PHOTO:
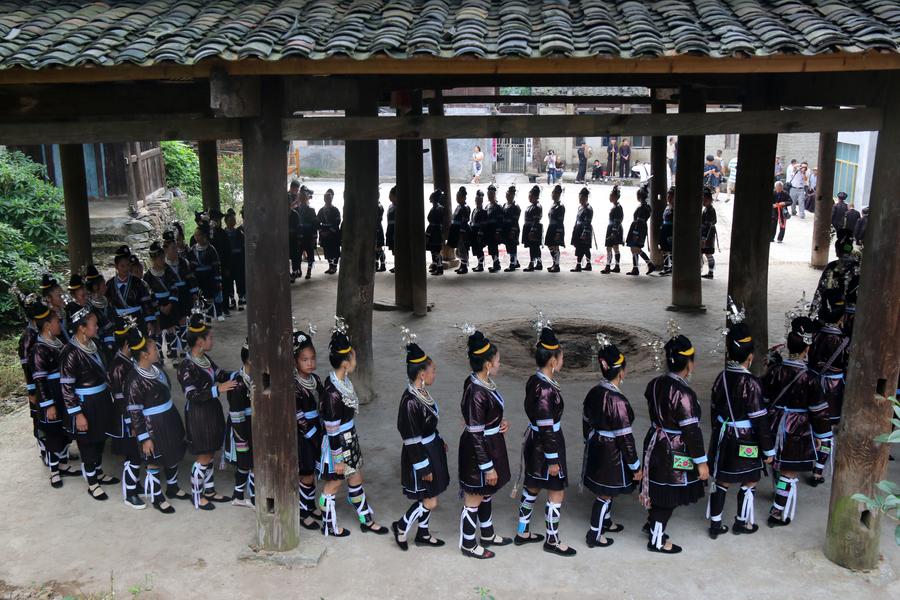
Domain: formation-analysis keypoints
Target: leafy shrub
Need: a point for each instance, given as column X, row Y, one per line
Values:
column 231, row 181
column 32, row 230
column 182, row 167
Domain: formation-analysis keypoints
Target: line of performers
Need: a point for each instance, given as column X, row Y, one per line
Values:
column 488, row 226
column 474, row 229
column 785, row 419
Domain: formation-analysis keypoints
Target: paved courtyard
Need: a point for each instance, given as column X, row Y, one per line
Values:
column 88, row 547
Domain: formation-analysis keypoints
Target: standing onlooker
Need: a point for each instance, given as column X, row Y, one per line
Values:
column 811, row 187
column 779, row 169
column 852, row 218
column 584, row 153
column 625, row 159
column 671, row 154
column 859, row 232
column 780, row 213
column 477, row 164
column 839, row 212
column 792, row 168
column 612, row 152
column 732, row 175
column 711, row 176
column 720, row 166
column 550, row 161
column 798, row 181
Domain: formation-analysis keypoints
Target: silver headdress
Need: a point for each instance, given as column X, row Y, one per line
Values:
column 800, row 309
column 80, row 314
column 340, row 325
column 407, row 337
column 733, row 314
column 466, row 328
column 601, row 341
column 541, row 321
column 312, row 330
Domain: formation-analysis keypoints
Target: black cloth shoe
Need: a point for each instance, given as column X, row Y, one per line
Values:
column 55, row 480
column 462, row 270
column 555, row 549
column 587, row 267
column 373, row 528
column 478, row 269
column 479, row 552
column 553, row 269
column 395, row 528
column 616, row 269
column 135, row 502
column 650, row 268
column 497, row 540
column 173, row 492
column 607, row 269
column 576, row 269
column 164, row 507
column 715, row 530
column 539, row 266
column 428, row 540
column 591, row 540
column 815, row 481
column 707, row 275
column 675, row 549
column 742, row 529
column 774, row 521
column 344, row 532
column 634, row 271
column 533, row 539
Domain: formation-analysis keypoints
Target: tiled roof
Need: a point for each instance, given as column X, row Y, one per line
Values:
column 43, row 33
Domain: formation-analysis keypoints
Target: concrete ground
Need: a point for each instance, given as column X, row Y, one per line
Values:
column 73, row 545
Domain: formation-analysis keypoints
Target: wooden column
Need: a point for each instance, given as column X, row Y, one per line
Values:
column 440, row 170
column 687, row 294
column 853, row 531
column 269, row 323
column 658, row 185
column 208, row 153
column 748, row 271
column 410, row 283
column 78, row 218
column 821, row 239
column 356, row 278
column 402, row 264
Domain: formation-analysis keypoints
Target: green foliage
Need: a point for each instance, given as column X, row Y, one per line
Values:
column 312, row 172
column 484, row 593
column 185, row 207
column 231, row 181
column 888, row 502
column 32, row 231
column 182, row 167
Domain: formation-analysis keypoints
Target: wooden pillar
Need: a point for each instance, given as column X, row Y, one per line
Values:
column 748, row 272
column 269, row 323
column 854, row 531
column 410, row 283
column 356, row 279
column 658, row 185
column 78, row 217
column 208, row 154
column 821, row 239
column 687, row 294
column 440, row 170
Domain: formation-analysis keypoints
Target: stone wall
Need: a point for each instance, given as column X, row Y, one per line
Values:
column 114, row 226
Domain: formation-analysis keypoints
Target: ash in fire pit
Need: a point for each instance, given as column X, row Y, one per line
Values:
column 516, row 339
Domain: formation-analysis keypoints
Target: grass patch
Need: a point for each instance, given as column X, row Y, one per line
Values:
column 12, row 382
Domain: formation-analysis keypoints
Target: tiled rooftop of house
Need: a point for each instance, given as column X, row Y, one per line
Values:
column 43, row 33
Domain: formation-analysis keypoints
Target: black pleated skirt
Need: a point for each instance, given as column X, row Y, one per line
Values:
column 205, row 426
column 168, row 435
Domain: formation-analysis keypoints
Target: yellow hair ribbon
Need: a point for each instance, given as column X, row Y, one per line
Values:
column 200, row 329
column 553, row 347
column 688, row 352
column 620, row 360
column 482, row 350
column 745, row 340
column 140, row 344
column 418, row 360
column 43, row 315
column 345, row 351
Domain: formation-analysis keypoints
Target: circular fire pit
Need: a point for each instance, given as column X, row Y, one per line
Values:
column 516, row 340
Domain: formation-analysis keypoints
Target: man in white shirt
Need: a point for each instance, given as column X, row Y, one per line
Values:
column 732, row 175
column 799, row 179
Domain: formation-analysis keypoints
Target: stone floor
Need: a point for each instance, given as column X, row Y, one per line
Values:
column 81, row 545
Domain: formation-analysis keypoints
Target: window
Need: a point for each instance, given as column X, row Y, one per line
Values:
column 731, row 141
column 845, row 168
column 324, row 142
column 640, row 141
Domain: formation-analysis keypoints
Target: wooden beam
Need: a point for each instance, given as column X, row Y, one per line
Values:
column 269, row 324
column 208, row 154
column 78, row 219
column 854, row 531
column 233, row 96
column 545, row 99
column 687, row 295
column 426, row 65
column 403, row 226
column 821, row 238
column 120, row 99
column 658, row 185
column 126, row 130
column 356, row 278
column 748, row 264
column 431, row 127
